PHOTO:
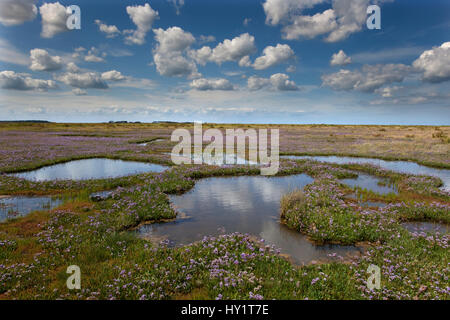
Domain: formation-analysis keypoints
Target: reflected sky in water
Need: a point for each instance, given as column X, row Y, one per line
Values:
column 368, row 182
column 13, row 207
column 90, row 169
column 240, row 204
column 398, row 166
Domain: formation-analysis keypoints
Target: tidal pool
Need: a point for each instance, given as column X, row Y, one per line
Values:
column 241, row 204
column 371, row 183
column 398, row 166
column 97, row 168
column 13, row 207
column 432, row 227
column 227, row 159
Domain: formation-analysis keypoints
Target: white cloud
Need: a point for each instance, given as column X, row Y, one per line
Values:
column 16, row 12
column 246, row 21
column 143, row 17
column 54, row 19
column 10, row 54
column 93, row 55
column 281, row 82
column 21, row 81
column 388, row 92
column 113, row 75
column 351, row 16
column 228, row 50
column 169, row 53
column 338, row 22
column 42, row 61
column 83, row 80
column 178, row 4
column 340, row 59
column 73, row 68
column 277, row 81
column 435, row 64
column 310, row 26
column 211, row 84
column 273, row 56
column 257, row 83
column 111, row 31
column 368, row 79
column 279, row 11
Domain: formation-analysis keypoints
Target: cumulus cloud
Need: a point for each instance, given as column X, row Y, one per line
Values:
column 41, row 60
column 351, row 16
column 277, row 81
column 169, row 55
column 228, row 50
column 281, row 82
column 54, row 19
column 310, row 26
column 211, row 84
column 16, row 12
column 435, row 64
column 21, row 81
column 273, row 56
column 257, row 83
column 340, row 59
column 111, row 31
column 93, row 55
column 143, row 17
column 368, row 79
column 113, row 75
column 278, row 11
column 83, row 80
column 337, row 23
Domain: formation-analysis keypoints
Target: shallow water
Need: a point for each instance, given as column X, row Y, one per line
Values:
column 13, row 207
column 432, row 227
column 90, row 169
column 226, row 159
column 241, row 204
column 368, row 182
column 398, row 166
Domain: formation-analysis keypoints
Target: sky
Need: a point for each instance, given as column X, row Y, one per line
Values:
column 233, row 61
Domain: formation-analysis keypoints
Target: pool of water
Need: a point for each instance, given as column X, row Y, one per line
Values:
column 432, row 227
column 13, row 207
column 97, row 168
column 398, row 166
column 368, row 182
column 227, row 159
column 241, row 204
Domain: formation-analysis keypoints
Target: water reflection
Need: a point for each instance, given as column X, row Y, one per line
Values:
column 398, row 166
column 241, row 204
column 371, row 183
column 90, row 169
column 432, row 227
column 13, row 207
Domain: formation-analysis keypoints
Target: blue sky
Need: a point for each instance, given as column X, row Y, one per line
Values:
column 266, row 61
